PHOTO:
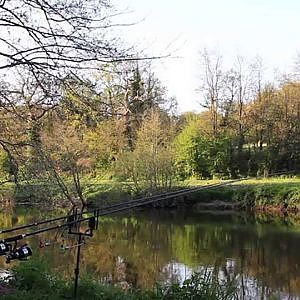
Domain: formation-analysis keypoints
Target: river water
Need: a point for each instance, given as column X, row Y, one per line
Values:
column 261, row 253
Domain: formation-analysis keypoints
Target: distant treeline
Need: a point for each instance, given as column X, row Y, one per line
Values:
column 125, row 126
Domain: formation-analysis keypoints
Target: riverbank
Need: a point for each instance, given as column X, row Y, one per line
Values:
column 248, row 193
column 32, row 281
column 96, row 192
column 269, row 194
column 145, row 247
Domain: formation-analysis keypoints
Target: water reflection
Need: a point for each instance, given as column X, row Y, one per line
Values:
column 144, row 248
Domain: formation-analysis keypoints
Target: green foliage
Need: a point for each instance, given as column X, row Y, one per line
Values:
column 202, row 286
column 35, row 276
column 110, row 133
column 217, row 194
column 150, row 165
column 5, row 165
column 201, row 155
column 33, row 282
column 36, row 191
column 254, row 193
column 186, row 150
column 105, row 192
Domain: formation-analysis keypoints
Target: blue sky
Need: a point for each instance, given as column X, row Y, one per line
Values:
column 268, row 28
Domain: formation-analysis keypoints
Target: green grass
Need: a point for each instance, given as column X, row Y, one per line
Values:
column 286, row 181
column 98, row 191
column 104, row 192
column 253, row 192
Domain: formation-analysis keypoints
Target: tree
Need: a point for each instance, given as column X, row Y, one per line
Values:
column 211, row 86
column 5, row 167
column 45, row 47
column 64, row 153
column 151, row 164
column 53, row 37
column 274, row 114
column 105, row 142
column 129, row 90
column 244, row 77
column 200, row 154
column 27, row 103
column 241, row 84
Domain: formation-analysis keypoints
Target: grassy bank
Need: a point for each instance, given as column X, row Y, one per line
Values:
column 32, row 281
column 96, row 191
column 255, row 193
column 265, row 193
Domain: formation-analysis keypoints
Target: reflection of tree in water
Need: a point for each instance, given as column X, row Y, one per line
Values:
column 175, row 272
column 125, row 272
column 141, row 250
column 139, row 246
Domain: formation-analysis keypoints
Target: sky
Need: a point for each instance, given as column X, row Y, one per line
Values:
column 268, row 28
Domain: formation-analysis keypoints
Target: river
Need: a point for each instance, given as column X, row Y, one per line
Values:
column 260, row 252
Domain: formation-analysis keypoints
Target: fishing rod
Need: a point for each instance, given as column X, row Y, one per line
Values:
column 113, row 209
column 131, row 202
column 33, row 224
column 24, row 251
column 93, row 220
column 37, row 223
column 139, row 200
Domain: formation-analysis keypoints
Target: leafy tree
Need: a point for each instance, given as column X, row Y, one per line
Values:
column 151, row 164
column 200, row 154
column 129, row 90
column 5, row 168
column 105, row 143
column 186, row 150
column 275, row 116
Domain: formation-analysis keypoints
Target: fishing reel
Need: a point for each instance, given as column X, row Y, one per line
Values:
column 21, row 253
column 4, row 248
column 14, row 252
